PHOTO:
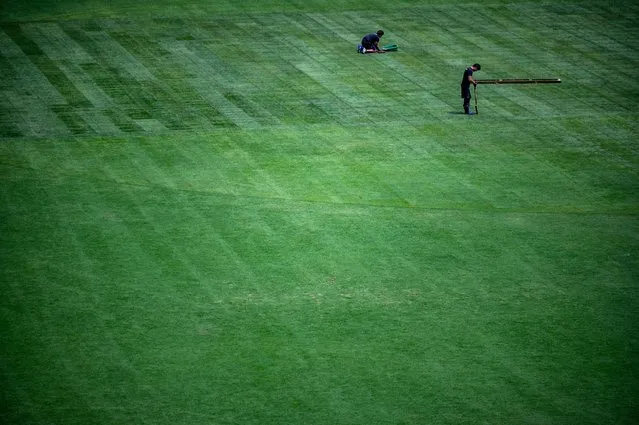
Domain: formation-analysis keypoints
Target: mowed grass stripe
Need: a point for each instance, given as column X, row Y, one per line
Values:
column 68, row 343
column 604, row 103
column 144, row 208
column 236, row 88
column 62, row 62
column 238, row 92
column 210, row 92
column 321, row 66
column 241, row 173
column 112, row 54
column 69, row 60
column 421, row 94
column 594, row 164
column 608, row 18
column 140, row 100
column 250, row 87
column 88, row 149
column 430, row 265
column 197, row 262
column 404, row 379
column 238, row 166
column 127, row 82
column 24, row 71
column 578, row 60
column 570, row 32
column 340, row 32
column 195, row 113
column 27, row 95
column 182, row 203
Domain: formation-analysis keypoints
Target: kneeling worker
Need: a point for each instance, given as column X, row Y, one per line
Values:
column 370, row 43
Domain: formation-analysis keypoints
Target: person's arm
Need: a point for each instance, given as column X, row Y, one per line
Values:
column 472, row 80
column 377, row 48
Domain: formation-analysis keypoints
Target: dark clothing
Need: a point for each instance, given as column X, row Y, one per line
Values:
column 465, row 89
column 465, row 84
column 369, row 41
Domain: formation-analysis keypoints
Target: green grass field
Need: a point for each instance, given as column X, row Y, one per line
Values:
column 219, row 213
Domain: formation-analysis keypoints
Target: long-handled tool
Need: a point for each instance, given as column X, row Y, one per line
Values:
column 390, row 47
column 521, row 81
column 515, row 81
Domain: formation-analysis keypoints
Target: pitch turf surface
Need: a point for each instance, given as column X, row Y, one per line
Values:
column 222, row 214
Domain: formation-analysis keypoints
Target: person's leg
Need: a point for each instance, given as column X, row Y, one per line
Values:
column 466, row 96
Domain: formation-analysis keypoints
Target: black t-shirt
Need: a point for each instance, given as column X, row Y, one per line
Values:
column 468, row 73
column 370, row 39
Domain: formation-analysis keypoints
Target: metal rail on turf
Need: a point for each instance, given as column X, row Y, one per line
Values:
column 521, row 81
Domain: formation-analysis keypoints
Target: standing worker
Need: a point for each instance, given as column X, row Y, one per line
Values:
column 465, row 86
column 370, row 43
